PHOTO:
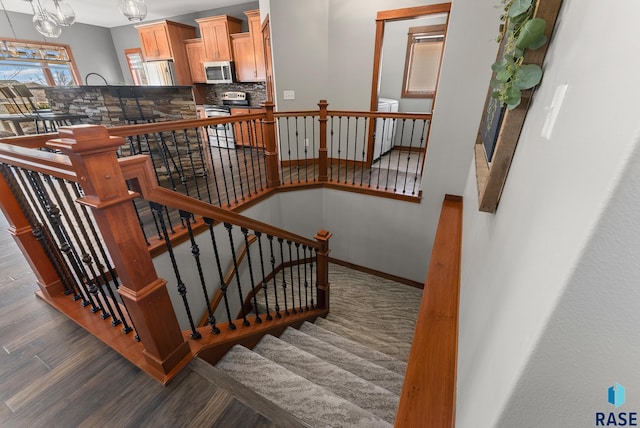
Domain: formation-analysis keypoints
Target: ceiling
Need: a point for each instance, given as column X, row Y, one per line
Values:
column 105, row 13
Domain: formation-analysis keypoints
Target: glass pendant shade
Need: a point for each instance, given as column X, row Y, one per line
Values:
column 46, row 23
column 134, row 10
column 63, row 13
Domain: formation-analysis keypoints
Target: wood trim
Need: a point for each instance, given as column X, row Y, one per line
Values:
column 491, row 176
column 412, row 12
column 377, row 273
column 429, row 392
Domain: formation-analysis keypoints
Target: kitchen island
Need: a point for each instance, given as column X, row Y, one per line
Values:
column 114, row 105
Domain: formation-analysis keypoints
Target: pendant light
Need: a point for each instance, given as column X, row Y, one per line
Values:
column 46, row 23
column 63, row 13
column 134, row 10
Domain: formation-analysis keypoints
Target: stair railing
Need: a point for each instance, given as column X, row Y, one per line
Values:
column 88, row 172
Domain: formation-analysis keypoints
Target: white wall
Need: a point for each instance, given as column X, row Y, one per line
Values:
column 549, row 283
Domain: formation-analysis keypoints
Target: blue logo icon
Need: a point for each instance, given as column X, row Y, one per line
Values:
column 616, row 395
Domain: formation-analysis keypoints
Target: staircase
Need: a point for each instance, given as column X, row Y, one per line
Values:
column 343, row 371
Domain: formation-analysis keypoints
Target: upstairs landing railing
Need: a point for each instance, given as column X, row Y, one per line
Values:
column 71, row 213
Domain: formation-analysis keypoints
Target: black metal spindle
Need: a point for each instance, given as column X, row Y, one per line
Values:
column 313, row 132
column 299, row 276
column 297, row 140
column 284, row 279
column 104, row 262
column 306, row 152
column 182, row 288
column 82, row 245
column 229, row 228
column 214, row 170
column 40, row 232
column 306, row 282
column 289, row 152
column 311, row 250
column 293, row 289
column 231, row 174
column 223, row 284
column 317, row 284
column 331, row 150
column 395, row 184
column 253, row 161
column 195, row 252
column 272, row 259
column 264, row 282
column 245, row 233
column 194, row 172
column 203, row 159
column 237, row 155
column 423, row 136
column 406, row 172
column 178, row 164
column 392, row 127
column 141, row 223
column 52, row 213
column 260, row 154
column 340, row 146
column 165, row 158
column 278, row 124
column 364, row 151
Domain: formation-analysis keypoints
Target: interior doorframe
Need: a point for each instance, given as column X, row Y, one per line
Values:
column 382, row 18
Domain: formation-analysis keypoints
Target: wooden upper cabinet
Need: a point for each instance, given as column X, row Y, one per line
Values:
column 196, row 55
column 215, row 32
column 248, row 51
column 255, row 30
column 154, row 41
column 165, row 40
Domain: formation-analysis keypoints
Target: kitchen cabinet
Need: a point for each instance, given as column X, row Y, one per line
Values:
column 164, row 40
column 248, row 51
column 215, row 32
column 196, row 56
column 247, row 133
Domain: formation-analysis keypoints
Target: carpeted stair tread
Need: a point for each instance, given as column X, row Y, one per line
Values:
column 357, row 348
column 380, row 342
column 347, row 385
column 383, row 335
column 400, row 326
column 304, row 399
column 367, row 370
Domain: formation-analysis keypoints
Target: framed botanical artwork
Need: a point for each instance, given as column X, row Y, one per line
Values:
column 524, row 38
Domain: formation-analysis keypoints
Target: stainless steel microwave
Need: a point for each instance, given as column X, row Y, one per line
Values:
column 220, row 72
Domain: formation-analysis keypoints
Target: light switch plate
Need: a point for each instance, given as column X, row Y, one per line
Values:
column 289, row 95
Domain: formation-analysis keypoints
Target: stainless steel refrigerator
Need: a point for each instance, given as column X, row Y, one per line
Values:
column 160, row 73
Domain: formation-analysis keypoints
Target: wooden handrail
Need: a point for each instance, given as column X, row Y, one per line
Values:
column 139, row 169
column 429, row 390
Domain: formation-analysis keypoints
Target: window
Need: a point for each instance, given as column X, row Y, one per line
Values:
column 422, row 62
column 33, row 62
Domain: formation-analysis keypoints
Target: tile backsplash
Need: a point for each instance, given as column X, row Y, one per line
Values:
column 256, row 92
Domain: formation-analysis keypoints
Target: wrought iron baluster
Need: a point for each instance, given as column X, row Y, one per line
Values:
column 272, row 259
column 293, row 289
column 289, row 150
column 240, row 128
column 406, row 172
column 311, row 250
column 40, row 232
column 195, row 252
column 279, row 122
column 52, row 213
column 317, row 284
column 423, row 136
column 379, row 160
column 87, row 258
column 306, row 282
column 105, row 262
column 203, row 160
column 165, row 157
column 260, row 154
column 178, row 165
column 299, row 277
column 264, row 282
column 297, row 140
column 192, row 164
column 245, row 321
column 140, row 222
column 395, row 185
column 355, row 148
column 392, row 127
column 231, row 174
column 245, row 232
column 330, row 160
column 252, row 131
column 340, row 146
column 284, row 279
column 364, row 151
column 182, row 288
column 223, row 285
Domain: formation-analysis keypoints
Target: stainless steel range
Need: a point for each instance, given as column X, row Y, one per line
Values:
column 222, row 135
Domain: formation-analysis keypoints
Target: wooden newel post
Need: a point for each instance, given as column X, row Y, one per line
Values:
column 270, row 147
column 19, row 227
column 323, row 268
column 323, row 153
column 93, row 156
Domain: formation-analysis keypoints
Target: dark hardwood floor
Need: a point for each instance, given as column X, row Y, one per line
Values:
column 54, row 374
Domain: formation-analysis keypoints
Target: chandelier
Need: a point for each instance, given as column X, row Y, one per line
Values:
column 50, row 19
